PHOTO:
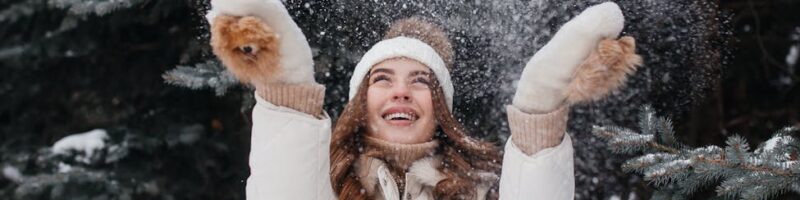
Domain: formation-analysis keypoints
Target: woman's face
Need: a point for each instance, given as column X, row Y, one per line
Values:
column 399, row 104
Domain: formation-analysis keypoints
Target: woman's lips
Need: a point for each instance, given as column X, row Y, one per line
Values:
column 399, row 116
column 399, row 122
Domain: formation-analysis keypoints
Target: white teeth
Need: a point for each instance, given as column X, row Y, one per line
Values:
column 405, row 116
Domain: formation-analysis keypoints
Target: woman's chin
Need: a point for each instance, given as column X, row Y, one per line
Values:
column 401, row 131
column 403, row 135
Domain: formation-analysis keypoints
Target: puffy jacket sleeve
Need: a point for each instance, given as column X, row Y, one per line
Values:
column 289, row 148
column 538, row 159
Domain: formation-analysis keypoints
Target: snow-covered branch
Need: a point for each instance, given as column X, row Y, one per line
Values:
column 210, row 74
column 678, row 171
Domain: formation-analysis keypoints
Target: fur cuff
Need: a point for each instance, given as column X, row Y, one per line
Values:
column 604, row 71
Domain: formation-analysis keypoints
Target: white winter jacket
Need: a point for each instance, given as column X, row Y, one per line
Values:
column 289, row 159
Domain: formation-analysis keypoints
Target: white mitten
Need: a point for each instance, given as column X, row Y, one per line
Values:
column 542, row 86
column 259, row 42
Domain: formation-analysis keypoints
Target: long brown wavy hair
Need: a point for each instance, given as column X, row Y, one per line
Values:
column 463, row 156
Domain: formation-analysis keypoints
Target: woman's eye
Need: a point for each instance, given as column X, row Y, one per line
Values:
column 421, row 83
column 422, row 80
column 380, row 78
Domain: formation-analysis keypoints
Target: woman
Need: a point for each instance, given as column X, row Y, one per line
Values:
column 397, row 137
column 398, row 124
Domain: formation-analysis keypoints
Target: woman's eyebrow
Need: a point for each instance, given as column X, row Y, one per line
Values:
column 419, row 72
column 384, row 70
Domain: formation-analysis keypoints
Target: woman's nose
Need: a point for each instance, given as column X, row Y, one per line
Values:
column 401, row 92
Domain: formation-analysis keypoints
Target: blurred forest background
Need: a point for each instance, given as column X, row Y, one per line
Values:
column 71, row 66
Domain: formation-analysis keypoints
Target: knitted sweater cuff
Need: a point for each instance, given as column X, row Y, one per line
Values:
column 306, row 98
column 534, row 132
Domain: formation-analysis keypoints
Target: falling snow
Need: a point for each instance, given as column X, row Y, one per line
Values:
column 494, row 39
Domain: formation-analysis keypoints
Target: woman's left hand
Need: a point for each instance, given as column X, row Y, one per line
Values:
column 584, row 50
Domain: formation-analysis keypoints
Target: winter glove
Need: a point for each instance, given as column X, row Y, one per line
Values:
column 259, row 42
column 262, row 46
column 545, row 83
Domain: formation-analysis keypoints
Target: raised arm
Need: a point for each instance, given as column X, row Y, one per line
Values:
column 262, row 46
column 583, row 61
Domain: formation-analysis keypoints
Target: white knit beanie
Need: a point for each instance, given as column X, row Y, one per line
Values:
column 404, row 47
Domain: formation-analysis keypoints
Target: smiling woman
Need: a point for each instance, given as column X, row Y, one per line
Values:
column 397, row 137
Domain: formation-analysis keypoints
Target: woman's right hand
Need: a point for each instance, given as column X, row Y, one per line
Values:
column 259, row 42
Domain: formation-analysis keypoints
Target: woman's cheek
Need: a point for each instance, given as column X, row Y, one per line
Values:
column 426, row 102
column 375, row 96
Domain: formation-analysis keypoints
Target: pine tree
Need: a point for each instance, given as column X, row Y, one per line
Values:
column 128, row 165
column 679, row 171
column 73, row 65
column 48, row 39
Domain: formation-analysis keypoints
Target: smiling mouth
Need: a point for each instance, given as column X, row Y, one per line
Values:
column 400, row 118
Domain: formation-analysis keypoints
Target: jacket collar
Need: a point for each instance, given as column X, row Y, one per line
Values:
column 421, row 179
column 423, row 172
